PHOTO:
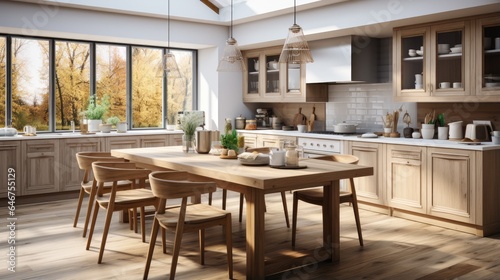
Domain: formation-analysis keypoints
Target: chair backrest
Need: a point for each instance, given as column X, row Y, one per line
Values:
column 85, row 160
column 117, row 171
column 344, row 158
column 173, row 184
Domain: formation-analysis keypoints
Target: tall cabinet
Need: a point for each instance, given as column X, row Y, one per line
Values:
column 488, row 56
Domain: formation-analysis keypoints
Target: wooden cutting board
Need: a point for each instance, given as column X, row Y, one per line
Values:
column 299, row 118
column 310, row 122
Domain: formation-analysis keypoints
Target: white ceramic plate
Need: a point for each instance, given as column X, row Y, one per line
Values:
column 369, row 135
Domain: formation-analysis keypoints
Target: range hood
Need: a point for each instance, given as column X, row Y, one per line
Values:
column 348, row 59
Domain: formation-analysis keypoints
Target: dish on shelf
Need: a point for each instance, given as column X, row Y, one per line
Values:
column 456, row 50
column 420, row 52
column 443, row 51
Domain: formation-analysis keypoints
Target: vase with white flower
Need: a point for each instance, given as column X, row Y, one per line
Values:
column 189, row 123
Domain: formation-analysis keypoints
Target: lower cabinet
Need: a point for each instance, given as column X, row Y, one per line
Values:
column 370, row 188
column 123, row 142
column 71, row 174
column 10, row 167
column 41, row 167
column 154, row 141
column 274, row 140
column 250, row 140
column 174, row 139
column 451, row 184
column 406, row 178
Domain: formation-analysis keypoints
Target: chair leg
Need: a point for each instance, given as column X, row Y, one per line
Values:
column 294, row 218
column 152, row 241
column 134, row 219
column 285, row 209
column 164, row 240
column 130, row 219
column 229, row 245
column 107, row 223
column 209, row 198
column 201, row 240
column 89, row 212
column 356, row 211
column 177, row 247
column 80, row 200
column 92, row 225
column 240, row 217
column 143, row 224
column 224, row 198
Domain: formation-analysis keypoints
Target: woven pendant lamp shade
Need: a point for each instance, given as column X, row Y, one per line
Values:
column 232, row 60
column 295, row 50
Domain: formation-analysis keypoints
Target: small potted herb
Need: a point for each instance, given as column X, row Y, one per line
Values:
column 229, row 141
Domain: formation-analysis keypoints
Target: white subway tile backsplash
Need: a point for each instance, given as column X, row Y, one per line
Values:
column 364, row 104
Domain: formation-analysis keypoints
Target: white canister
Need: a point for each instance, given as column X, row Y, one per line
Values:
column 455, row 131
column 443, row 133
column 427, row 131
column 277, row 158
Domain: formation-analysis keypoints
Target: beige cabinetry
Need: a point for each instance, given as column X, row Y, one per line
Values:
column 122, row 142
column 487, row 57
column 406, row 178
column 10, row 166
column 71, row 174
column 444, row 68
column 267, row 80
column 458, row 60
column 451, row 180
column 41, row 166
column 274, row 140
column 154, row 141
column 174, row 139
column 250, row 139
column 370, row 188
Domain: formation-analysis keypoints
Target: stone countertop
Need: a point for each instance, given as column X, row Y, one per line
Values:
column 483, row 146
column 64, row 135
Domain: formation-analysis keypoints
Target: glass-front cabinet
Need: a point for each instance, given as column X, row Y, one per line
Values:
column 488, row 56
column 261, row 82
column 432, row 61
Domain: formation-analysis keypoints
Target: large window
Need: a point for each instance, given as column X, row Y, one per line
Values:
column 147, row 87
column 111, row 78
column 3, row 70
column 30, row 83
column 72, row 82
column 51, row 81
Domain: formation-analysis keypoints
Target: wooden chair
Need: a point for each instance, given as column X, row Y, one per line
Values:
column 315, row 196
column 85, row 160
column 185, row 218
column 136, row 197
column 264, row 150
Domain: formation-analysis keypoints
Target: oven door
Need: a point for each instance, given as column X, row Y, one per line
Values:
column 314, row 154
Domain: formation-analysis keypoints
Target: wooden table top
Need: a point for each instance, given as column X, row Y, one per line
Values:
column 230, row 170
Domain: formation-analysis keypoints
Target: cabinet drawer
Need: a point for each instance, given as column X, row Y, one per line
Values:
column 406, row 155
column 40, row 148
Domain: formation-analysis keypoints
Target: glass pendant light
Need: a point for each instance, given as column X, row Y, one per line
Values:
column 232, row 60
column 169, row 63
column 296, row 50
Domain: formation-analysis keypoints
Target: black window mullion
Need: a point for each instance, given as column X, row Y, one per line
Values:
column 52, row 88
column 129, row 87
column 92, row 70
column 8, row 81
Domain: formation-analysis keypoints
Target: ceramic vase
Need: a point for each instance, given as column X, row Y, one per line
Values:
column 443, row 133
column 427, row 131
column 93, row 125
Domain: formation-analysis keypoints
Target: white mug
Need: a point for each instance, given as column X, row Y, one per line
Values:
column 29, row 130
column 444, row 85
column 457, row 85
column 277, row 158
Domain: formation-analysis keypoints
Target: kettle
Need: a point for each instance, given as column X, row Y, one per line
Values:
column 203, row 141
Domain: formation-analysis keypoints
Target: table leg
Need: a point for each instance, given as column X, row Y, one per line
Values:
column 331, row 225
column 255, row 233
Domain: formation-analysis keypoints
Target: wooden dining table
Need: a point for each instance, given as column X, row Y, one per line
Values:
column 255, row 182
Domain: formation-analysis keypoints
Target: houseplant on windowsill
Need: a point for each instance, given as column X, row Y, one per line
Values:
column 95, row 112
column 189, row 123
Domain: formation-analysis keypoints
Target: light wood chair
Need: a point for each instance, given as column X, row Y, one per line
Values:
column 264, row 150
column 185, row 218
column 85, row 160
column 136, row 197
column 315, row 196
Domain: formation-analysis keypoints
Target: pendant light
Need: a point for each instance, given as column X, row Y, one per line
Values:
column 296, row 50
column 232, row 60
column 169, row 63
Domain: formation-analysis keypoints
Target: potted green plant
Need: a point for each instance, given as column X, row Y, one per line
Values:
column 189, row 123
column 229, row 141
column 96, row 111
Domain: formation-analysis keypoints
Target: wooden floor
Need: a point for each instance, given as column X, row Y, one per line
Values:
column 48, row 247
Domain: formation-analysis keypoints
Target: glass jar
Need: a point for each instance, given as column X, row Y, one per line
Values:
column 291, row 156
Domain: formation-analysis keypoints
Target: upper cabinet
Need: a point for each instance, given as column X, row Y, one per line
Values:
column 447, row 61
column 267, row 80
column 488, row 56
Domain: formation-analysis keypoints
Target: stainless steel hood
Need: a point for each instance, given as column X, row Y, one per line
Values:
column 348, row 59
